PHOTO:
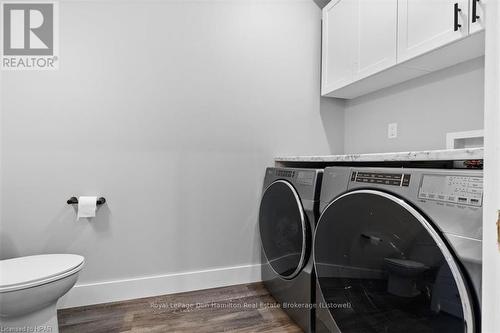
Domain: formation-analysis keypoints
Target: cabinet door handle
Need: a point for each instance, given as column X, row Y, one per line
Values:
column 456, row 25
column 474, row 11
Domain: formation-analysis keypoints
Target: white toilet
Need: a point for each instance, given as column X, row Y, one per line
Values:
column 30, row 288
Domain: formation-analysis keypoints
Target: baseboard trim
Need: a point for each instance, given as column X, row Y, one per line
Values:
column 120, row 290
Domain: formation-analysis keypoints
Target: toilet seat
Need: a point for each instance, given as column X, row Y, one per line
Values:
column 26, row 272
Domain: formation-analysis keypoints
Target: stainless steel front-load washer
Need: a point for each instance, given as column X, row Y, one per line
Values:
column 288, row 212
column 399, row 250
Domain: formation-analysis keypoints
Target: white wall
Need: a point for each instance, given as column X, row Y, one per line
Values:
column 491, row 211
column 1, row 156
column 171, row 110
column 425, row 109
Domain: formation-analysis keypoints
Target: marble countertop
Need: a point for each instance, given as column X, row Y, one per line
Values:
column 426, row 155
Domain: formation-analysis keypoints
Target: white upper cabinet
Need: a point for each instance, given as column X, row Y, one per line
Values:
column 424, row 25
column 373, row 44
column 359, row 39
column 339, row 25
column 476, row 20
column 376, row 36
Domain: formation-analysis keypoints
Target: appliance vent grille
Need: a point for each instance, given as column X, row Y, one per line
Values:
column 285, row 173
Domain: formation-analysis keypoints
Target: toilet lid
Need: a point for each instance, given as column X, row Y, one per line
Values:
column 21, row 272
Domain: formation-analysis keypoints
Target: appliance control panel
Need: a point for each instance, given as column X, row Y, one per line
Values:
column 394, row 179
column 305, row 177
column 464, row 190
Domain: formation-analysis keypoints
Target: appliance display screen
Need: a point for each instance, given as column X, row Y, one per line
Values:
column 456, row 189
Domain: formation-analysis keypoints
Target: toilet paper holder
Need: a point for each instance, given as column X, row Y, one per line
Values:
column 74, row 201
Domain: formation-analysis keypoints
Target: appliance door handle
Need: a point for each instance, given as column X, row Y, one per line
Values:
column 372, row 238
column 457, row 10
column 474, row 11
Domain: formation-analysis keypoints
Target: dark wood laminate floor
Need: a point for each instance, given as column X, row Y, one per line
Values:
column 241, row 308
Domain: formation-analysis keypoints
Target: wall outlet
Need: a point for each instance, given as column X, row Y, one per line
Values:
column 392, row 130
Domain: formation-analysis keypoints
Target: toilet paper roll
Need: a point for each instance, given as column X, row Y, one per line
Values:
column 86, row 207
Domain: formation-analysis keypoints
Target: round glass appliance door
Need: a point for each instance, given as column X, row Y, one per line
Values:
column 283, row 229
column 382, row 267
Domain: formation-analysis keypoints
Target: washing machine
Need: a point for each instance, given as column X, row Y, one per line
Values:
column 288, row 213
column 399, row 250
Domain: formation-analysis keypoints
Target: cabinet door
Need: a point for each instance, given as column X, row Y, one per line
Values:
column 424, row 25
column 377, row 36
column 339, row 44
column 476, row 10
